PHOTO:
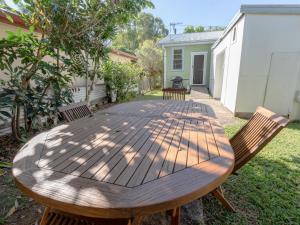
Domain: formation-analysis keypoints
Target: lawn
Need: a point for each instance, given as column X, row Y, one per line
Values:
column 267, row 190
column 152, row 95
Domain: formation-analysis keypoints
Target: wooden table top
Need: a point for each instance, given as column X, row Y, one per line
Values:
column 119, row 165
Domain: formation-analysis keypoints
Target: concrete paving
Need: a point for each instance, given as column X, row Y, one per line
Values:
column 215, row 107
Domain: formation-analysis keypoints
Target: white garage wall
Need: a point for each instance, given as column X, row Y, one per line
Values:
column 231, row 65
column 265, row 35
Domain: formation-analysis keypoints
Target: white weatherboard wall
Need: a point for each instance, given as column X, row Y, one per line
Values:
column 226, row 81
column 269, row 70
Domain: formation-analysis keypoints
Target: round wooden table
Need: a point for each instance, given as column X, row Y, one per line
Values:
column 122, row 165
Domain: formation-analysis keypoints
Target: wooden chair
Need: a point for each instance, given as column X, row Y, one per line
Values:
column 262, row 127
column 75, row 111
column 55, row 217
column 174, row 93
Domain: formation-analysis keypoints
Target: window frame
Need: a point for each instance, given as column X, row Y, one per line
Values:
column 182, row 59
column 234, row 35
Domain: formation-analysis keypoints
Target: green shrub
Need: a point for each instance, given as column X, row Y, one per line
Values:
column 121, row 80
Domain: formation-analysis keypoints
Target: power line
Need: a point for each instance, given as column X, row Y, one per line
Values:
column 173, row 26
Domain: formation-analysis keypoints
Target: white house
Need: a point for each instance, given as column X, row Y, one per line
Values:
column 256, row 62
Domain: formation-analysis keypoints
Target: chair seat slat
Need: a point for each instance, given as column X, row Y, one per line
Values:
column 255, row 134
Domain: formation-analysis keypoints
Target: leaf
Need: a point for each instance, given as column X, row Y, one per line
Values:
column 5, row 164
column 11, row 211
column 9, row 18
column 2, row 172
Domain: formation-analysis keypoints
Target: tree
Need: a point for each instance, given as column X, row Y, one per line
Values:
column 120, row 79
column 29, row 81
column 150, row 58
column 192, row 29
column 81, row 29
column 144, row 27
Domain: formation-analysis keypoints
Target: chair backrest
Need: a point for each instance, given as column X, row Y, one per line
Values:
column 262, row 127
column 174, row 93
column 75, row 111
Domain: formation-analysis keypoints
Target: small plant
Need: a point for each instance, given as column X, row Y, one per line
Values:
column 121, row 79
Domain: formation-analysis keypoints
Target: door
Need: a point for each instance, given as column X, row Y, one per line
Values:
column 282, row 81
column 198, row 68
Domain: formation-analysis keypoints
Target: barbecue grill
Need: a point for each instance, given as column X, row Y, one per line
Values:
column 178, row 82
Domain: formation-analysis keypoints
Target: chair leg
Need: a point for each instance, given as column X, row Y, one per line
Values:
column 45, row 215
column 218, row 193
column 175, row 216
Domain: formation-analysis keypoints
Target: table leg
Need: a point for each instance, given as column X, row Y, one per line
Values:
column 136, row 221
column 175, row 218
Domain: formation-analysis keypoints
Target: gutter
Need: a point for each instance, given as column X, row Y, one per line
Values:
column 186, row 43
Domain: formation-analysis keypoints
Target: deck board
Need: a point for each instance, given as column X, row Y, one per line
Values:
column 138, row 155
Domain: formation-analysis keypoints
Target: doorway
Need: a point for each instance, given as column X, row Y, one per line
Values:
column 198, row 68
column 219, row 74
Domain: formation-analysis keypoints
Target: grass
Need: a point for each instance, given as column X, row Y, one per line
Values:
column 152, row 95
column 267, row 189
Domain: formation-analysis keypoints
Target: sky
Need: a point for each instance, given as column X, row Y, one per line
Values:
column 200, row 12
column 203, row 12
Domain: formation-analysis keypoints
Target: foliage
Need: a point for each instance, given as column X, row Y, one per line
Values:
column 120, row 79
column 29, row 77
column 80, row 29
column 193, row 29
column 144, row 27
column 266, row 191
column 150, row 58
column 4, row 165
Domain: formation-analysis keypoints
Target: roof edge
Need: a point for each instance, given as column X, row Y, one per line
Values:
column 270, row 8
column 124, row 54
column 208, row 41
column 232, row 23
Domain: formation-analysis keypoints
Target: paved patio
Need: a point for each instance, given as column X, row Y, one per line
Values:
column 200, row 94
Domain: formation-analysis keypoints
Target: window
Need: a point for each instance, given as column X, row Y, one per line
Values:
column 177, row 59
column 234, row 35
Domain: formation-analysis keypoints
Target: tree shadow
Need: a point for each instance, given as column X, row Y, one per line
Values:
column 94, row 164
column 266, row 191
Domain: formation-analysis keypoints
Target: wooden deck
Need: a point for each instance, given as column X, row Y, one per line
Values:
column 132, row 159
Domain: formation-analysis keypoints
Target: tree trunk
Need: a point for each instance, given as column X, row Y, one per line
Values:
column 15, row 124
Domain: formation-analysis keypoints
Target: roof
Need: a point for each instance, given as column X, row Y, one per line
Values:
column 283, row 9
column 124, row 54
column 190, row 38
column 270, row 9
